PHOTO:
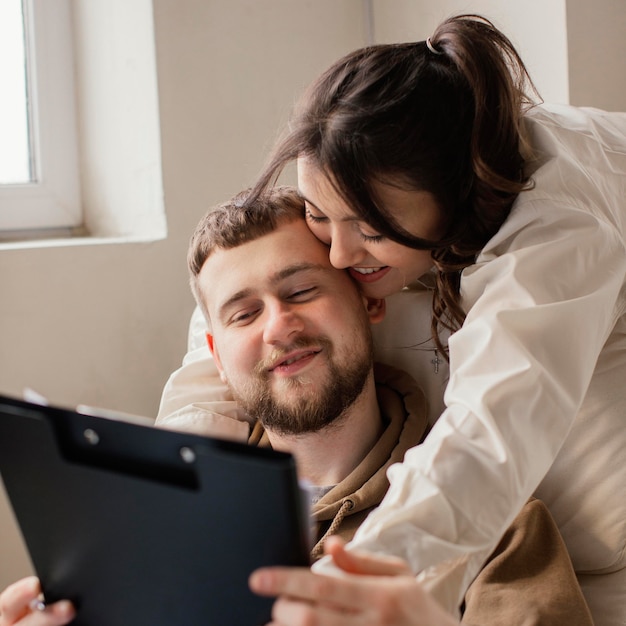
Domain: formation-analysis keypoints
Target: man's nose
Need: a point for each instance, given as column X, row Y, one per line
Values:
column 282, row 325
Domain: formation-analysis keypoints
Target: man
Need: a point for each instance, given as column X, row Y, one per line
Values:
column 291, row 337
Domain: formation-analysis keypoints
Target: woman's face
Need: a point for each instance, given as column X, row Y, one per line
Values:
column 381, row 266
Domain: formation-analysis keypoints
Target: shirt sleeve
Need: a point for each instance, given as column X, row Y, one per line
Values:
column 541, row 301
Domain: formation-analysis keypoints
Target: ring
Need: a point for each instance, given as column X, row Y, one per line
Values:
column 37, row 605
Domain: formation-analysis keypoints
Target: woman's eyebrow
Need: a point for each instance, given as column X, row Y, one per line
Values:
column 307, row 201
column 345, row 218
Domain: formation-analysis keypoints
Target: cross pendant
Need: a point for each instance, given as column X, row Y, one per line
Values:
column 436, row 362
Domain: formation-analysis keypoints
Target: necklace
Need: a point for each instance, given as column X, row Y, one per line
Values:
column 436, row 361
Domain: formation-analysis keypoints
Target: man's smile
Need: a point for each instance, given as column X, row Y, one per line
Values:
column 295, row 360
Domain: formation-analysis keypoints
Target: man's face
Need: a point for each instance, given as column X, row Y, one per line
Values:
column 290, row 332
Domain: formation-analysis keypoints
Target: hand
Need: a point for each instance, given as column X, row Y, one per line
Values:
column 17, row 602
column 374, row 590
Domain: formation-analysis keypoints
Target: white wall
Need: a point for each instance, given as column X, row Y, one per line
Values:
column 105, row 324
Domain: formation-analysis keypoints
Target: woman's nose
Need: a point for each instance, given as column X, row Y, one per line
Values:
column 345, row 251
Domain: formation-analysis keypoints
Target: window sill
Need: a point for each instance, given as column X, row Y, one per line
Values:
column 64, row 237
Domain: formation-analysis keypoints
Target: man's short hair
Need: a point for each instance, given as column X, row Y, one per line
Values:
column 239, row 221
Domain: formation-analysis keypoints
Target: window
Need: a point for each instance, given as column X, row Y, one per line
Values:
column 39, row 178
column 14, row 147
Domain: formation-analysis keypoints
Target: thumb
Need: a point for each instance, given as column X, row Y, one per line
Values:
column 354, row 562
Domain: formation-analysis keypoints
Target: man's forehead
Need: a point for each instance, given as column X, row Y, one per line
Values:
column 290, row 251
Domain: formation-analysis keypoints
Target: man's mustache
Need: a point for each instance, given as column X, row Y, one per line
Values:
column 261, row 369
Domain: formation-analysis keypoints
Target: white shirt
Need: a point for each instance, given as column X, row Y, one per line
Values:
column 541, row 355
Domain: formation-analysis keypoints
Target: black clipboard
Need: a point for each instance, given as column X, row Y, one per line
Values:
column 140, row 526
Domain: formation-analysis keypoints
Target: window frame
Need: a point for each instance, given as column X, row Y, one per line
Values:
column 53, row 199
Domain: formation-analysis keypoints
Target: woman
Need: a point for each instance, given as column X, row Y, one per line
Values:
column 426, row 162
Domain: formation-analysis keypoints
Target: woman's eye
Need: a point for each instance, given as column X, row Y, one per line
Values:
column 317, row 219
column 371, row 238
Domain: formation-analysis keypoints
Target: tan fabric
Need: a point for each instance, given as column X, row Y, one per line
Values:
column 403, row 405
column 528, row 579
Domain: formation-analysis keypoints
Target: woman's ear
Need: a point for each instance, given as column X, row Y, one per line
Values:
column 376, row 308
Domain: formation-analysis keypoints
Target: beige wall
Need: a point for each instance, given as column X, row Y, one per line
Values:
column 575, row 50
column 536, row 27
column 105, row 324
column 596, row 35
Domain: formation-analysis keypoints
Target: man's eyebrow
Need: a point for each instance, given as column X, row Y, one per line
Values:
column 275, row 278
column 296, row 268
column 239, row 295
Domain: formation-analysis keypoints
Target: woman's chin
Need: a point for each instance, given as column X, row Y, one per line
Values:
column 383, row 289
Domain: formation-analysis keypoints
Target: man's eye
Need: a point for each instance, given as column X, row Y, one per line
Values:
column 243, row 317
column 302, row 293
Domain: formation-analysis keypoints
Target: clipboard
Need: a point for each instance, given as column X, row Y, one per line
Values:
column 140, row 526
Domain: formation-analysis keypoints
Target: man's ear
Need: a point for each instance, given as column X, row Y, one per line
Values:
column 209, row 341
column 376, row 308
column 216, row 357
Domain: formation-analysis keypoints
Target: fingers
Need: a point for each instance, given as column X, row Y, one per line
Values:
column 302, row 584
column 306, row 597
column 355, row 562
column 341, row 591
column 309, row 598
column 288, row 612
column 17, row 602
column 56, row 614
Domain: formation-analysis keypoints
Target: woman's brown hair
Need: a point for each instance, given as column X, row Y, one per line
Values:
column 443, row 117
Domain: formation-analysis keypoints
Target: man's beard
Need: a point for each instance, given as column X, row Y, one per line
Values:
column 311, row 410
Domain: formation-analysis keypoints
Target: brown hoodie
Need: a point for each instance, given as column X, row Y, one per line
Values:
column 342, row 510
column 403, row 408
column 527, row 581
